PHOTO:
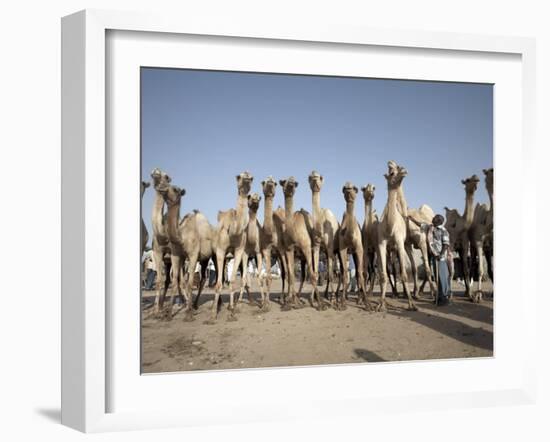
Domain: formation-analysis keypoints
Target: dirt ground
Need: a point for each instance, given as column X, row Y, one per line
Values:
column 309, row 337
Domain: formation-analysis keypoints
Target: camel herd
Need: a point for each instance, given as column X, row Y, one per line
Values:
column 291, row 236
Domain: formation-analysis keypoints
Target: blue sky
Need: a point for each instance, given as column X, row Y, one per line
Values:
column 205, row 127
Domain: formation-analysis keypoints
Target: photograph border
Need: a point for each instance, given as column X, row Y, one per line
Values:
column 84, row 192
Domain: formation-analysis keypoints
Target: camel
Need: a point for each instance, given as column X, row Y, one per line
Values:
column 392, row 232
column 369, row 232
column 298, row 234
column 190, row 239
column 144, row 233
column 325, row 228
column 271, row 238
column 252, row 245
column 458, row 227
column 230, row 238
column 161, row 244
column 416, row 238
column 480, row 236
column 350, row 240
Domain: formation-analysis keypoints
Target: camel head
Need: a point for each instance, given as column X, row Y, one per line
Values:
column 289, row 186
column 350, row 192
column 489, row 179
column 268, row 187
column 470, row 184
column 368, row 192
column 315, row 181
column 254, row 201
column 144, row 185
column 395, row 175
column 244, row 183
column 161, row 180
column 172, row 195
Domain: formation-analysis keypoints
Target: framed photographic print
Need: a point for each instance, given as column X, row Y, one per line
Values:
column 290, row 221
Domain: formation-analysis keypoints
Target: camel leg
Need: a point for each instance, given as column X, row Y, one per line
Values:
column 345, row 277
column 302, row 280
column 190, row 280
column 383, row 276
column 257, row 276
column 160, row 283
column 204, row 266
column 220, row 260
column 489, row 258
column 481, row 271
column 174, row 289
column 401, row 255
column 314, row 276
column 267, row 280
column 290, row 298
column 428, row 270
column 331, row 263
column 244, row 279
column 359, row 266
column 409, row 251
column 466, row 268
column 238, row 260
column 284, row 278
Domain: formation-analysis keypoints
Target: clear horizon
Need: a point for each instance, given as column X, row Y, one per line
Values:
column 205, row 127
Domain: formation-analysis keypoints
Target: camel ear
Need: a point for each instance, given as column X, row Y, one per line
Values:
column 356, row 189
column 296, row 182
column 282, row 182
column 168, row 178
column 146, row 184
column 248, row 197
column 463, row 181
column 237, row 177
column 182, row 192
column 363, row 188
column 373, row 188
column 263, row 183
column 259, row 199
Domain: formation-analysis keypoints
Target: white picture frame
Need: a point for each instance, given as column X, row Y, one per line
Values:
column 86, row 353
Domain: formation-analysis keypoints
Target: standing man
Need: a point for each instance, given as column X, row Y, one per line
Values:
column 438, row 242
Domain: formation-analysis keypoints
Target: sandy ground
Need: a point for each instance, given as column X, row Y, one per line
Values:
column 309, row 337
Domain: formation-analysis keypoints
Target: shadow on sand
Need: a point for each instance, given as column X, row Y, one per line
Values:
column 367, row 355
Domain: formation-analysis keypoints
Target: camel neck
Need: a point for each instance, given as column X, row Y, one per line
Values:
column 392, row 209
column 289, row 207
column 268, row 215
column 401, row 201
column 316, row 205
column 469, row 207
column 252, row 214
column 172, row 223
column 368, row 211
column 350, row 213
column 242, row 204
column 158, row 205
column 490, row 192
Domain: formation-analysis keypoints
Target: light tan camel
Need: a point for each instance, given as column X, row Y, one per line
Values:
column 298, row 232
column 190, row 239
column 161, row 244
column 392, row 232
column 144, row 233
column 279, row 224
column 350, row 241
column 230, row 238
column 252, row 247
column 488, row 242
column 416, row 238
column 325, row 230
column 480, row 234
column 459, row 226
column 270, row 240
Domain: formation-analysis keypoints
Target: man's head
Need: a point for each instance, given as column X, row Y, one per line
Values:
column 438, row 220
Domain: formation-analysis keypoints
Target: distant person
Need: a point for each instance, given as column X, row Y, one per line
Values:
column 438, row 242
column 211, row 270
column 151, row 273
